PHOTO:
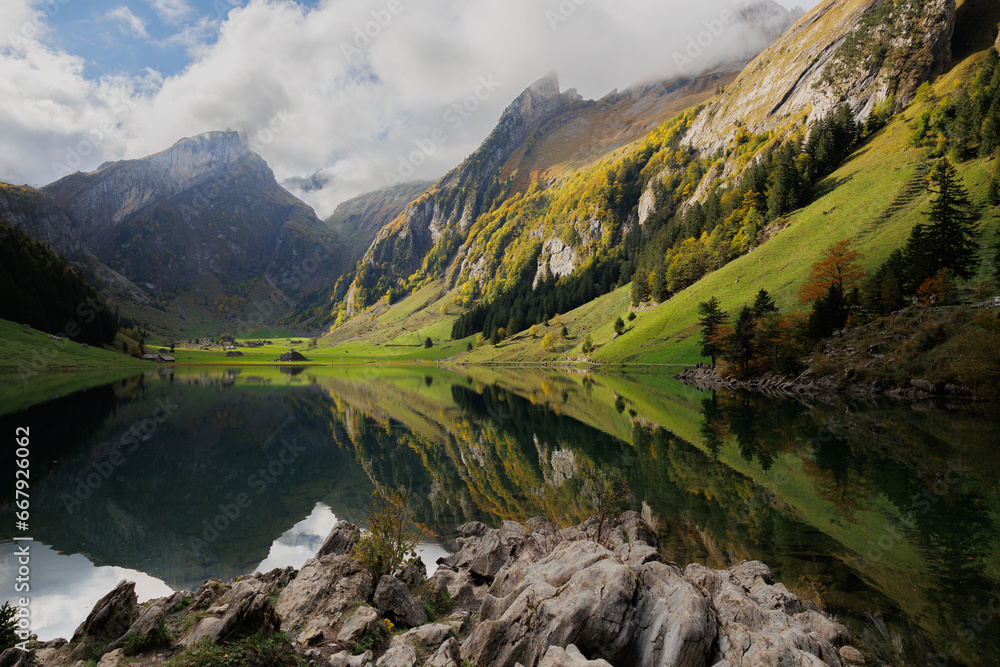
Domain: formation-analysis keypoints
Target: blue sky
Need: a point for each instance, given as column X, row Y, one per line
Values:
column 339, row 90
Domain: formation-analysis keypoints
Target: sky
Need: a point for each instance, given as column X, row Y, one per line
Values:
column 339, row 96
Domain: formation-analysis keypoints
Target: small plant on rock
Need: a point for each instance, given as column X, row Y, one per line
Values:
column 391, row 536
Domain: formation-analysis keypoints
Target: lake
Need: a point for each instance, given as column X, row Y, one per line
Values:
column 888, row 514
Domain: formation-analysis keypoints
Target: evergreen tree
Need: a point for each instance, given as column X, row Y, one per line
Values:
column 951, row 234
column 740, row 349
column 763, row 304
column 711, row 319
column 619, row 326
column 8, row 636
column 829, row 313
column 428, row 343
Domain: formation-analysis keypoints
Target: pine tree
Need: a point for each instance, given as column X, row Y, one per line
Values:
column 829, row 313
column 763, row 304
column 740, row 349
column 951, row 234
column 711, row 319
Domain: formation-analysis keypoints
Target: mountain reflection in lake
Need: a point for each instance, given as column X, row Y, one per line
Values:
column 887, row 514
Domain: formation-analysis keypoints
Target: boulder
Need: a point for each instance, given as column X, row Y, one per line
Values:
column 460, row 586
column 400, row 656
column 148, row 628
column 112, row 616
column 361, row 623
column 250, row 615
column 15, row 657
column 852, row 656
column 569, row 657
column 323, row 591
column 430, row 636
column 392, row 598
column 583, row 594
column 115, row 658
column 340, row 541
column 345, row 659
column 203, row 629
column 760, row 622
column 413, row 574
column 447, row 655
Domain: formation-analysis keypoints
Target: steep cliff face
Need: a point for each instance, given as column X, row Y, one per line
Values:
column 208, row 204
column 359, row 220
column 457, row 199
column 858, row 52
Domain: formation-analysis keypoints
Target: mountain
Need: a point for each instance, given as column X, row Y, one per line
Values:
column 858, row 52
column 545, row 135
column 357, row 221
column 207, row 210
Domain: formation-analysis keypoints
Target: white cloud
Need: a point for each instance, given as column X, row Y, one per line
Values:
column 173, row 12
column 278, row 71
column 128, row 23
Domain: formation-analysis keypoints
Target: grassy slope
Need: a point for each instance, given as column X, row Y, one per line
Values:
column 854, row 196
column 30, row 365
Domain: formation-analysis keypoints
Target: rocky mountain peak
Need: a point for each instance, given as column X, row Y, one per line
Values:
column 538, row 100
column 193, row 158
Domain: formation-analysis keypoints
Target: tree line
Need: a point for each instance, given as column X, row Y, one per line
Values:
column 760, row 339
column 40, row 289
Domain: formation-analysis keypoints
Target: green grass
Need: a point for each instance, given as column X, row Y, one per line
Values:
column 256, row 651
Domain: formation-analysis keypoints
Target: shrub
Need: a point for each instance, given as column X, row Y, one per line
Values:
column 391, row 537
column 375, row 639
column 619, row 326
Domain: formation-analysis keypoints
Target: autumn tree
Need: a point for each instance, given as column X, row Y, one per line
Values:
column 839, row 266
column 711, row 319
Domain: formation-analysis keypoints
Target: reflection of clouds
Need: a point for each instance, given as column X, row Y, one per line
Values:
column 65, row 588
column 301, row 542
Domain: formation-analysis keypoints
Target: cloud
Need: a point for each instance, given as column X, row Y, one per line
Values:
column 128, row 23
column 346, row 90
column 173, row 12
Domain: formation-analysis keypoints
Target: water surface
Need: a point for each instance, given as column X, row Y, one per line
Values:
column 888, row 514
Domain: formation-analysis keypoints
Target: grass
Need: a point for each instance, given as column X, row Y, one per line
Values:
column 29, row 352
column 255, row 651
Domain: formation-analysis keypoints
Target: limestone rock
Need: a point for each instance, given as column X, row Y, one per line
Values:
column 393, row 599
column 340, row 541
column 447, row 655
column 460, row 586
column 15, row 657
column 345, row 659
column 852, row 656
column 250, row 615
column 431, row 636
column 114, row 658
column 582, row 594
column 400, row 656
column 755, row 621
column 203, row 629
column 112, row 615
column 557, row 656
column 414, row 574
column 322, row 591
column 358, row 625
column 146, row 627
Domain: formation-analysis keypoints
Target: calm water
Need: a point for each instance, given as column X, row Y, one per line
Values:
column 889, row 514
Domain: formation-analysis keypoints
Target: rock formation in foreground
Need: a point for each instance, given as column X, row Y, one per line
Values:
column 530, row 595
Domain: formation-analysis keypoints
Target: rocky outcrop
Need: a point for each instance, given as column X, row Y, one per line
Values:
column 545, row 597
column 859, row 52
